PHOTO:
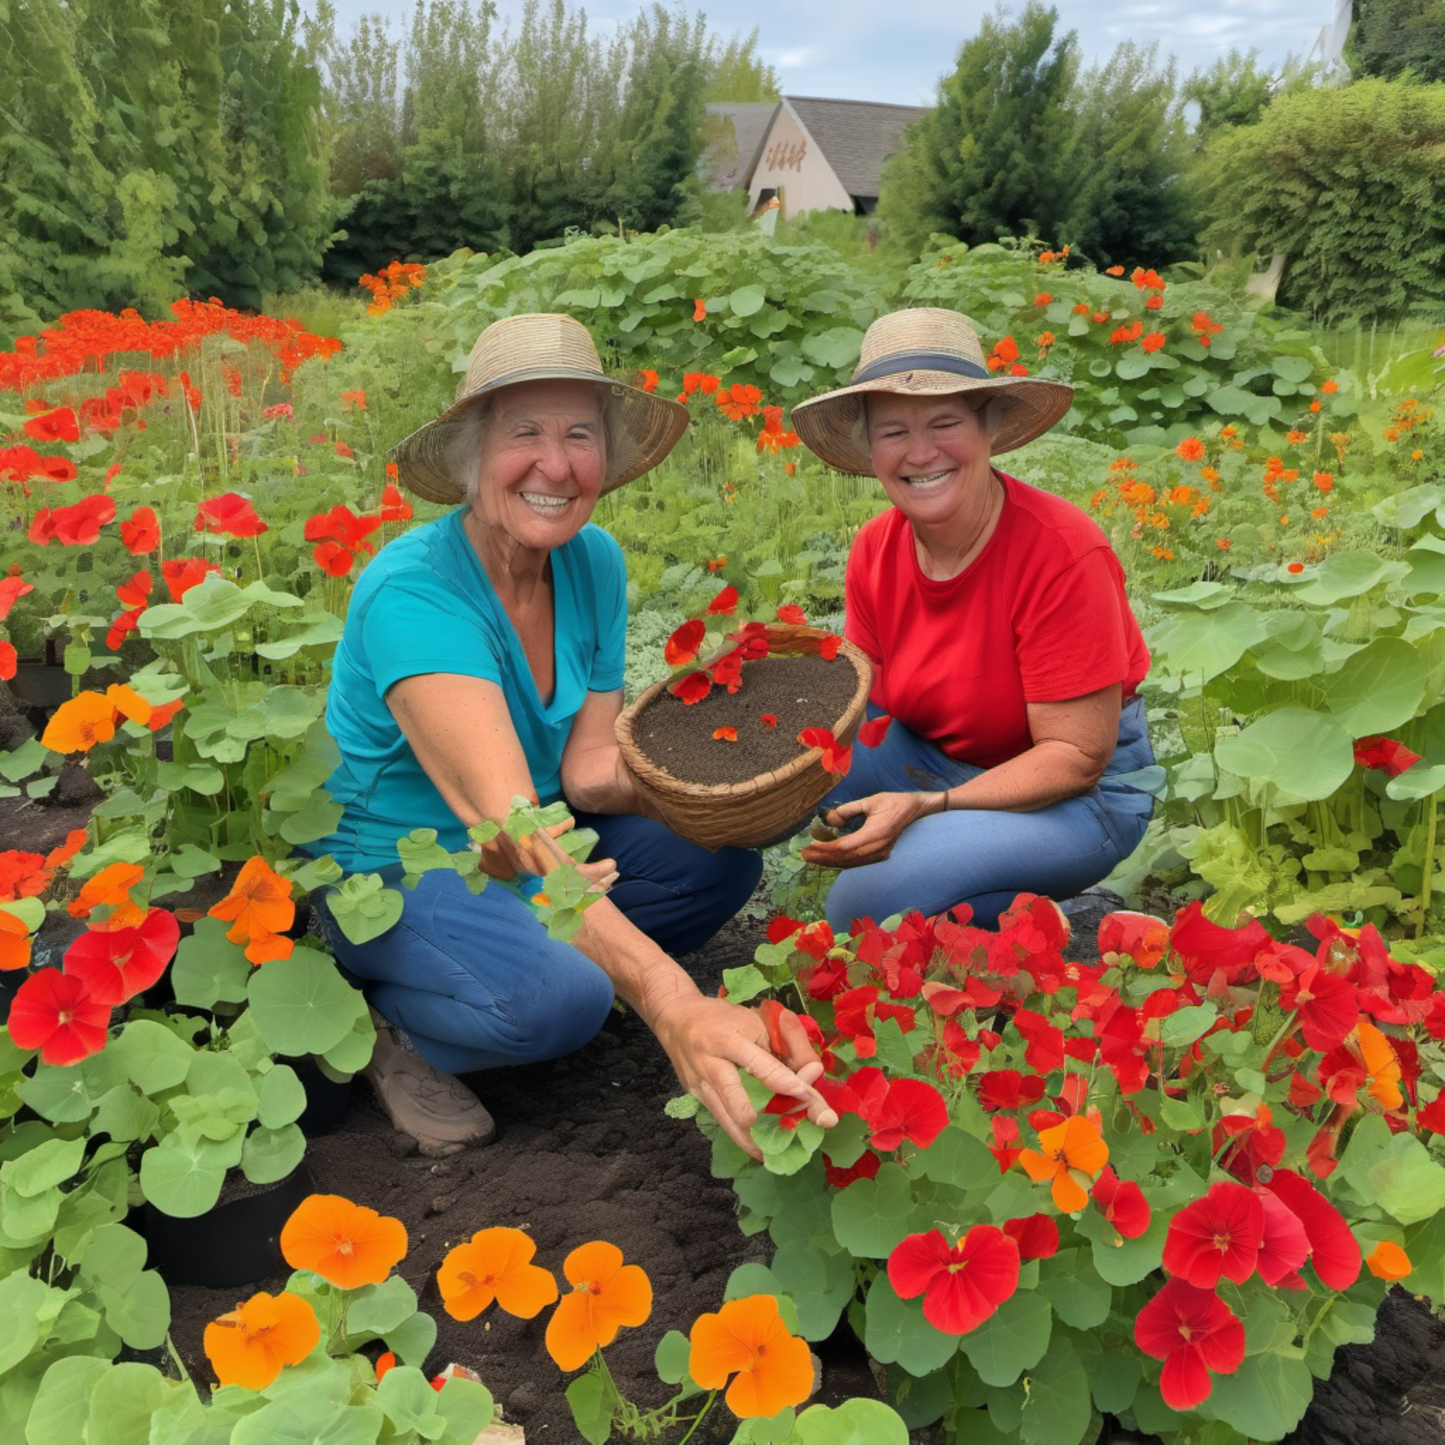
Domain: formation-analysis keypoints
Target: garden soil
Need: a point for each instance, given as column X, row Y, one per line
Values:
column 584, row 1151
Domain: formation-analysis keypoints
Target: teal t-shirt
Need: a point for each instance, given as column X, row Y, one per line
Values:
column 425, row 605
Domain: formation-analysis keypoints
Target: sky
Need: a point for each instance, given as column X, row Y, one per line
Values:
column 897, row 50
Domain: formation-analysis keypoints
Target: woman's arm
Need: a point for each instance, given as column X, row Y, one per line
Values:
column 1073, row 742
column 462, row 734
column 594, row 778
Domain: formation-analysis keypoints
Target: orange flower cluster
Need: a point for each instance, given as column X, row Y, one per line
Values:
column 1046, row 256
column 260, row 910
column 1121, row 335
column 1275, row 472
column 1152, row 282
column 773, row 438
column 1005, row 356
column 694, row 381
column 1408, row 415
column 390, row 284
column 1204, row 327
column 738, row 401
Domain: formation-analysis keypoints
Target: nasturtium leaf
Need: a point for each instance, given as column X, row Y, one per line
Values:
column 872, row 1216
column 123, row 1402
column 467, row 1408
column 1122, row 1261
column 65, row 1095
column 1379, row 687
column 406, row 1397
column 1348, row 574
column 318, row 818
column 302, row 1005
column 153, row 1057
column 317, row 629
column 1072, row 1285
column 858, row 1421
column 591, row 1408
column 1184, row 1025
column 1416, row 782
column 43, row 1166
column 141, row 1313
column 1011, row 1340
column 820, row 1281
column 182, row 1175
column 22, row 1300
column 1265, row 1398
column 364, row 907
column 746, row 300
column 1303, row 753
column 378, row 1308
column 896, row 1331
column 1406, row 510
column 1057, row 1409
column 208, row 968
column 671, row 1357
column 1114, row 1374
column 1203, row 595
column 271, row 1154
column 62, row 1404
column 1408, row 1184
column 280, row 1097
column 1206, row 643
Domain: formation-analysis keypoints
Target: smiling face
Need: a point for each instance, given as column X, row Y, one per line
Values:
column 543, row 462
column 931, row 453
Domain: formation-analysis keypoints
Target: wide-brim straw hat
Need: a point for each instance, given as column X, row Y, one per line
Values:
column 925, row 351
column 641, row 428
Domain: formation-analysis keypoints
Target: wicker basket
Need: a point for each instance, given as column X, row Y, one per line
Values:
column 765, row 809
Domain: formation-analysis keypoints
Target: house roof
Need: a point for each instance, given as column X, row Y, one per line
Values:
column 735, row 131
column 855, row 136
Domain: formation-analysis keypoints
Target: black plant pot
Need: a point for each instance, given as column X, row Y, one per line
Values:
column 326, row 1100
column 237, row 1242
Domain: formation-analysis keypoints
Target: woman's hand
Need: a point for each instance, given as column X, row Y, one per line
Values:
column 885, row 817
column 709, row 1040
column 505, row 857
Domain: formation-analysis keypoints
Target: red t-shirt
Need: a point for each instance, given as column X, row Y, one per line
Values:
column 1040, row 615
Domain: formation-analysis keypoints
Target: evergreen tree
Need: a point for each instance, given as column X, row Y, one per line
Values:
column 989, row 159
column 1233, row 91
column 1392, row 36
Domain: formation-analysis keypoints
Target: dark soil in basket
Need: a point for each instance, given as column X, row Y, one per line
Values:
column 805, row 691
column 585, row 1152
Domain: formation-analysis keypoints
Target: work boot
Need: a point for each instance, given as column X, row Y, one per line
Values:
column 441, row 1114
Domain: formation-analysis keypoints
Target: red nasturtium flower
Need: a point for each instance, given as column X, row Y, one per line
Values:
column 1069, row 1156
column 725, row 735
column 1385, row 754
column 115, row 964
column 747, row 1339
column 1122, row 1203
column 692, row 688
column 769, row 719
column 59, row 425
column 962, row 1284
column 1037, row 1236
column 836, row 759
column 229, row 515
column 394, row 507
column 725, row 603
column 1218, row 1235
column 346, row 1244
column 495, row 1264
column 253, row 1343
column 913, row 1110
column 874, row 730
column 180, row 574
column 342, row 536
column 605, row 1295
column 22, row 875
column 12, row 589
column 682, row 646
column 1139, row 938
column 1327, row 1004
column 260, row 910
column 56, row 1014
column 792, row 614
column 1195, row 1333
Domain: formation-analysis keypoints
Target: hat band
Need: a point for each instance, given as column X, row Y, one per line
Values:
column 920, row 361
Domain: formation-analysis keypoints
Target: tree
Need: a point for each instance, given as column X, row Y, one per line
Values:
column 736, row 74
column 1233, row 91
column 988, row 160
column 1128, row 203
column 1350, row 183
column 1392, row 36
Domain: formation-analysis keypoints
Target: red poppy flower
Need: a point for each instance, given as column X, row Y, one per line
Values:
column 1219, row 1234
column 792, row 614
column 682, row 646
column 874, row 730
column 835, row 759
column 1037, row 1236
column 692, row 688
column 1385, row 755
column 1194, row 1332
column 58, row 425
column 141, row 532
column 180, row 574
column 963, row 1284
column 1122, row 1203
column 229, row 515
column 117, row 964
column 56, row 1014
column 912, row 1110
column 724, row 604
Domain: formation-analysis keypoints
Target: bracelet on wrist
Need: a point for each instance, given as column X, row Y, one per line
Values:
column 943, row 801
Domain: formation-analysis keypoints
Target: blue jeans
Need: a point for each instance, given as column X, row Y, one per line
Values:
column 984, row 858
column 476, row 982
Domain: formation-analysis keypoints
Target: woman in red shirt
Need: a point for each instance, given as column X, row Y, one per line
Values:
column 1003, row 644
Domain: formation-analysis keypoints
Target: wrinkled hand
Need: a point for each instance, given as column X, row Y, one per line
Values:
column 505, row 857
column 886, row 816
column 709, row 1040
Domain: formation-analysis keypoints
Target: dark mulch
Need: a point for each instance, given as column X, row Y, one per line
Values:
column 800, row 692
column 585, row 1152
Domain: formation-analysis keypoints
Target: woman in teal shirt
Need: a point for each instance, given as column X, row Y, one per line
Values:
column 482, row 659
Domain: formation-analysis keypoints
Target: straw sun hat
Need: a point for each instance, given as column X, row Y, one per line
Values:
column 641, row 428
column 924, row 352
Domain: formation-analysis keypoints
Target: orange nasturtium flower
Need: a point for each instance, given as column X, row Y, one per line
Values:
column 495, row 1264
column 747, row 1338
column 14, row 942
column 1381, row 1065
column 1191, row 449
column 129, row 703
column 259, row 909
column 606, row 1294
column 347, row 1244
column 249, row 1346
column 1070, row 1155
column 1388, row 1262
column 79, row 723
column 112, row 886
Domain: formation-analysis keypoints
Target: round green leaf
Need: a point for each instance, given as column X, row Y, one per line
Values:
column 183, row 1177
column 153, row 1057
column 271, row 1154
column 1013, row 1339
column 301, row 1004
column 62, row 1404
column 746, row 300
column 854, row 1422
column 1378, row 688
column 208, row 968
column 1303, row 753
column 896, row 1332
column 872, row 1216
column 280, row 1097
column 44, row 1166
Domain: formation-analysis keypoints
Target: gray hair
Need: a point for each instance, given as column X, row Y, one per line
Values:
column 469, row 433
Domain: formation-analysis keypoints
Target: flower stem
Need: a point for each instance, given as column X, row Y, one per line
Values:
column 698, row 1418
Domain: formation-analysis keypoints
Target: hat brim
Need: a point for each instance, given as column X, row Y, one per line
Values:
column 642, row 428
column 828, row 425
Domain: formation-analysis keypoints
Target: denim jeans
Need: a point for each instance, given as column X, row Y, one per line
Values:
column 476, row 982
column 985, row 858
